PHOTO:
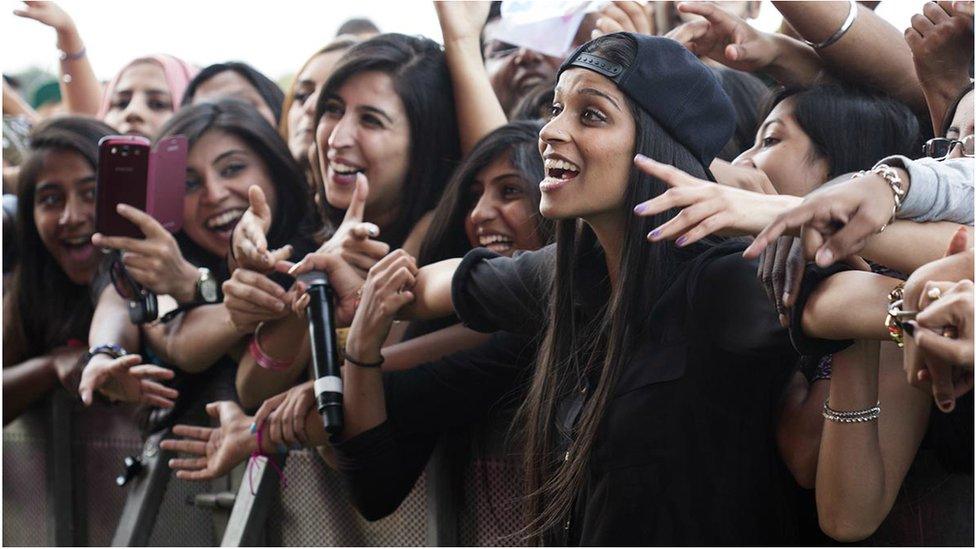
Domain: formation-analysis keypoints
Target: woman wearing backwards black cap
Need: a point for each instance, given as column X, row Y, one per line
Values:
column 648, row 420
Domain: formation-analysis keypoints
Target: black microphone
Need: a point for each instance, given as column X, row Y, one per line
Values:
column 325, row 355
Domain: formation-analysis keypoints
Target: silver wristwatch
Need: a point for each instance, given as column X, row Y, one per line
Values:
column 207, row 288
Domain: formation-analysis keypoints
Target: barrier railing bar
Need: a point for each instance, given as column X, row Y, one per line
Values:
column 145, row 495
column 248, row 519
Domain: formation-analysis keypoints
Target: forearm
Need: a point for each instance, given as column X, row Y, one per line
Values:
column 26, row 383
column 799, row 427
column 905, row 245
column 796, row 64
column 81, row 90
column 478, row 109
column 850, row 472
column 195, row 340
column 110, row 322
column 14, row 105
column 848, row 305
column 284, row 339
column 862, row 465
column 432, row 292
column 872, row 51
column 430, row 347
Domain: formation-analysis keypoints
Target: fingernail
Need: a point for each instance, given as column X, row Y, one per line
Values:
column 786, row 299
column 254, row 427
column 681, row 241
column 656, row 233
column 825, row 257
column 639, row 209
column 641, row 158
column 909, row 328
column 782, row 320
column 279, row 305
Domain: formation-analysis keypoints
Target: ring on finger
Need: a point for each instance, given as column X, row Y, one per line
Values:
column 934, row 293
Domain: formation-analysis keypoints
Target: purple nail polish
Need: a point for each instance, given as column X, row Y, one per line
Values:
column 681, row 241
column 655, row 233
column 638, row 209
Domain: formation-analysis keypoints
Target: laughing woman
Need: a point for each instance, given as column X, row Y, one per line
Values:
column 48, row 308
column 648, row 419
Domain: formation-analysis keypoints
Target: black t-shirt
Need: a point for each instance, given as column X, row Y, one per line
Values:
column 685, row 453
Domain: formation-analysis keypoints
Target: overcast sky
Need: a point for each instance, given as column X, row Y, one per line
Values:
column 275, row 37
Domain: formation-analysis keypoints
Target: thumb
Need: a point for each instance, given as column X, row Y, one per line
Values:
column 735, row 52
column 357, row 205
column 959, row 243
column 213, row 409
column 259, row 203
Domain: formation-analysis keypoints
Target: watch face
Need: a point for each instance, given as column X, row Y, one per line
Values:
column 208, row 290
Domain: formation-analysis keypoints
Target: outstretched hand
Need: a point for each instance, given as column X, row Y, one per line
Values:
column 46, row 13
column 249, row 243
column 462, row 20
column 127, row 380
column 706, row 208
column 354, row 238
column 215, row 450
column 724, row 37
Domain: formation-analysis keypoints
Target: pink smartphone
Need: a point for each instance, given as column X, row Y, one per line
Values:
column 167, row 182
column 152, row 179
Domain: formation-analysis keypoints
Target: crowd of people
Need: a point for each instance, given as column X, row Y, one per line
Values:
column 721, row 277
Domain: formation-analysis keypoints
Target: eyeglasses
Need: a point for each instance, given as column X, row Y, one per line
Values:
column 940, row 147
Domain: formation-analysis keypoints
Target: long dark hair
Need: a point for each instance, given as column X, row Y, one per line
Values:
column 43, row 307
column 851, row 128
column 292, row 216
column 575, row 347
column 421, row 79
column 519, row 142
column 270, row 93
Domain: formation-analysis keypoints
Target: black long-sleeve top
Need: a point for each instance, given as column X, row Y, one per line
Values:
column 685, row 452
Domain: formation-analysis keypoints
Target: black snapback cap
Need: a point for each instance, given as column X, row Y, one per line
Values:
column 676, row 89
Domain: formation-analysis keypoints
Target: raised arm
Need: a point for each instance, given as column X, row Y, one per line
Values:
column 478, row 110
column 872, row 51
column 80, row 89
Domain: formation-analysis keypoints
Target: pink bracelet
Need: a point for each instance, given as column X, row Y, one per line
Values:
column 258, row 454
column 264, row 360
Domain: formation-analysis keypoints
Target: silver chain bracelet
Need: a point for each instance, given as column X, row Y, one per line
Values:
column 853, row 416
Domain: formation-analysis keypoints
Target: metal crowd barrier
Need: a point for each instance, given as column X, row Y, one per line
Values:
column 65, row 494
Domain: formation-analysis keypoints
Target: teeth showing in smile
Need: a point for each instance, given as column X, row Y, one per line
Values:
column 77, row 241
column 224, row 220
column 561, row 169
column 345, row 169
column 487, row 239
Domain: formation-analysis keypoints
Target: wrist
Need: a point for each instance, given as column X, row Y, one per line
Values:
column 362, row 349
column 68, row 38
column 187, row 288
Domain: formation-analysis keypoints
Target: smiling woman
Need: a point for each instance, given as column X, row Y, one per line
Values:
column 387, row 111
